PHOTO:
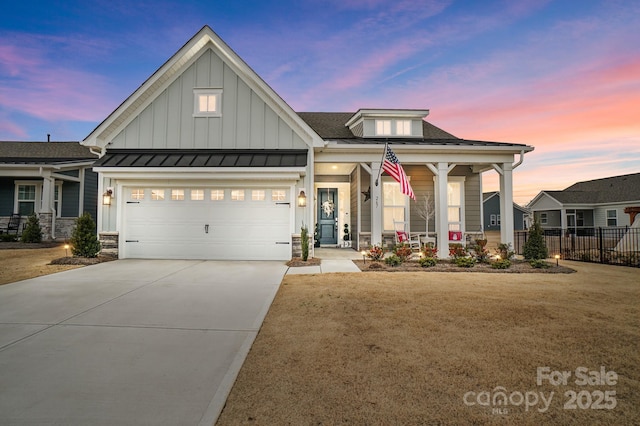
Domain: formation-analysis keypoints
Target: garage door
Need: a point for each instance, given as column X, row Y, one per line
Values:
column 207, row 223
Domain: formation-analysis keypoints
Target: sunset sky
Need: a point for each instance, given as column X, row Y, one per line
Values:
column 563, row 76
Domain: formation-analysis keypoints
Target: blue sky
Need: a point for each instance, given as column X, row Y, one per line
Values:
column 563, row 76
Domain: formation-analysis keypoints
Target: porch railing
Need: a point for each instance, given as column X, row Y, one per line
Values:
column 615, row 246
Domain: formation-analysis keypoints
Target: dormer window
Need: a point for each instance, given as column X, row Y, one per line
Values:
column 403, row 127
column 383, row 127
column 207, row 102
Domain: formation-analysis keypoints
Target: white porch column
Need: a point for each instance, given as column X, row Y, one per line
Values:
column 47, row 193
column 506, row 204
column 563, row 219
column 442, row 211
column 376, row 205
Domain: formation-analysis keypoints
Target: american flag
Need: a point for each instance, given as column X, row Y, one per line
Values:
column 392, row 166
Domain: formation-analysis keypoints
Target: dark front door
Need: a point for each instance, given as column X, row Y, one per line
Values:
column 327, row 215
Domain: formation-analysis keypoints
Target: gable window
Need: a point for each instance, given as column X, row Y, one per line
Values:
column 403, row 127
column 543, row 219
column 394, row 205
column 383, row 127
column 207, row 102
column 612, row 218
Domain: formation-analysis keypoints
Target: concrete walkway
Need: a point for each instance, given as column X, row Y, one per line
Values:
column 130, row 342
column 333, row 260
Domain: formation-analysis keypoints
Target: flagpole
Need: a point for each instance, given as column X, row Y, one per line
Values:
column 382, row 161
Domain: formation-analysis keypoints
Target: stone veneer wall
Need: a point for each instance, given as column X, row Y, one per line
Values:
column 296, row 247
column 109, row 243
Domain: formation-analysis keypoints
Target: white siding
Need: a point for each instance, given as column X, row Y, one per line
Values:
column 246, row 122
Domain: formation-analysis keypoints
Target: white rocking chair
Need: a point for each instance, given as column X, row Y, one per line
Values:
column 403, row 236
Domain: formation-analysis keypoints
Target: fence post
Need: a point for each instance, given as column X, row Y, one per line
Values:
column 560, row 237
column 600, row 245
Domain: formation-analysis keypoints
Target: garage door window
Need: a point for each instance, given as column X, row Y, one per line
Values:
column 177, row 194
column 237, row 195
column 157, row 194
column 197, row 194
column 257, row 195
column 137, row 194
column 278, row 195
column 217, row 194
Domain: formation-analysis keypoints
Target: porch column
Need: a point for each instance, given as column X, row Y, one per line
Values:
column 376, row 205
column 506, row 204
column 47, row 214
column 442, row 211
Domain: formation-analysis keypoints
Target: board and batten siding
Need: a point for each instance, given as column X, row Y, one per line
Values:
column 247, row 122
column 356, row 197
column 421, row 180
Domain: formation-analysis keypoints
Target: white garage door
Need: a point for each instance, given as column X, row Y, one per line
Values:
column 207, row 223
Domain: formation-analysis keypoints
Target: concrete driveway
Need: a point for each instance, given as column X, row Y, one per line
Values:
column 130, row 342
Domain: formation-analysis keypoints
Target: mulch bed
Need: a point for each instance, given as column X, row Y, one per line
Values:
column 297, row 261
column 81, row 260
column 517, row 267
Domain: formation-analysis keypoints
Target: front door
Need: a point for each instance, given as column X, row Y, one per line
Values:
column 327, row 215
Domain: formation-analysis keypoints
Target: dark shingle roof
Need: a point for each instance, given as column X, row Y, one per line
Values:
column 607, row 190
column 204, row 158
column 331, row 125
column 43, row 152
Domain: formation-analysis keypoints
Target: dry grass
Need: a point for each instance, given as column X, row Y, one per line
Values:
column 404, row 348
column 22, row 264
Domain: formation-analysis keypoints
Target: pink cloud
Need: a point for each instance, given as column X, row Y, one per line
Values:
column 10, row 128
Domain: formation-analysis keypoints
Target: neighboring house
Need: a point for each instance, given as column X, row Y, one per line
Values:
column 52, row 179
column 587, row 205
column 205, row 161
column 491, row 213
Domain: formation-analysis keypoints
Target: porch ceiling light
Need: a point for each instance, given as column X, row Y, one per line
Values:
column 302, row 199
column 107, row 197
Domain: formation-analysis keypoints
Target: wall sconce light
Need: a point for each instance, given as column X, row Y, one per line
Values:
column 302, row 199
column 107, row 197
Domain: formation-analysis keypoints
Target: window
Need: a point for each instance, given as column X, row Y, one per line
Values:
column 26, row 199
column 197, row 194
column 278, row 195
column 498, row 220
column 257, row 194
column 403, row 127
column 383, row 127
column 217, row 194
column 237, row 195
column 612, row 218
column 580, row 218
column 207, row 102
column 157, row 194
column 454, row 205
column 137, row 194
column 492, row 220
column 394, row 205
column 177, row 194
column 543, row 219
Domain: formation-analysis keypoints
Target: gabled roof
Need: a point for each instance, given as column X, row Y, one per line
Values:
column 204, row 39
column 486, row 196
column 599, row 191
column 43, row 152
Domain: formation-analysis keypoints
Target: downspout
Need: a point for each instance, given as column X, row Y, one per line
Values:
column 100, row 154
column 519, row 162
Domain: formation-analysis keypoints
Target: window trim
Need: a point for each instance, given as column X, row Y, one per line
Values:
column 383, row 123
column 197, row 93
column 405, row 131
column 37, row 203
column 615, row 217
column 544, row 219
column 407, row 213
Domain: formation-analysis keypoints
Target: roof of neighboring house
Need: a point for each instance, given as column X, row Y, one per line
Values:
column 204, row 158
column 600, row 191
column 487, row 195
column 43, row 152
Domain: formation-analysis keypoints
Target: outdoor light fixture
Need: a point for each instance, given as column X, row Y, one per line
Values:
column 557, row 256
column 107, row 196
column 66, row 250
column 302, row 199
column 364, row 257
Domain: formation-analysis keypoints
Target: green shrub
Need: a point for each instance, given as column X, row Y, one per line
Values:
column 84, row 242
column 8, row 238
column 304, row 242
column 501, row 264
column 430, row 250
column 427, row 262
column 535, row 247
column 480, row 250
column 32, row 232
column 393, row 260
column 505, row 251
column 464, row 262
column 539, row 264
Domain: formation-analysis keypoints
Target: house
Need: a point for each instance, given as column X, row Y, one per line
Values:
column 491, row 213
column 52, row 179
column 205, row 161
column 586, row 205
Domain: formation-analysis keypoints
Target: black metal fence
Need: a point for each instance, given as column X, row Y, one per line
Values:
column 615, row 246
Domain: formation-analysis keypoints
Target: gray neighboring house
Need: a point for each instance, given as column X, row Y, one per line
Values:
column 491, row 213
column 53, row 179
column 590, row 204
